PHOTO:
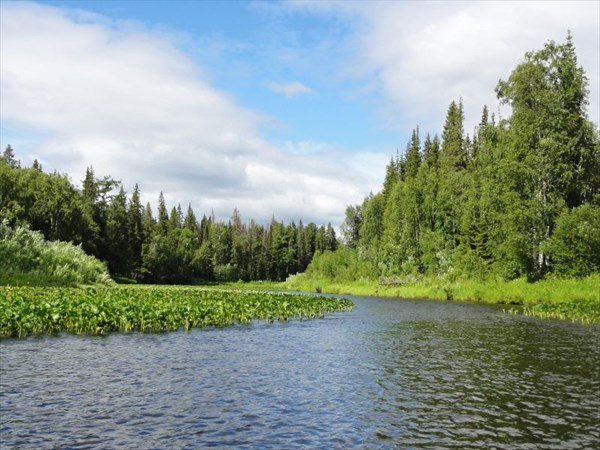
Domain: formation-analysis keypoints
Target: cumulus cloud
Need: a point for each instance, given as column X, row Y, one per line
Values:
column 423, row 55
column 289, row 90
column 125, row 100
column 457, row 50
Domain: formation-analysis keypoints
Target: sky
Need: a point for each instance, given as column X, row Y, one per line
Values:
column 279, row 109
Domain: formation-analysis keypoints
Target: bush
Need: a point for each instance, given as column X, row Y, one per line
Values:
column 574, row 248
column 341, row 265
column 26, row 258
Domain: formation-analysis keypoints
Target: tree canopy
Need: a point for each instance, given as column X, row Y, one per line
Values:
column 168, row 248
column 519, row 198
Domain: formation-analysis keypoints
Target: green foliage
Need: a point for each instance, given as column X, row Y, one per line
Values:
column 340, row 265
column 371, row 227
column 491, row 205
column 481, row 218
column 516, row 200
column 453, row 155
column 583, row 310
column 573, row 299
column 574, row 248
column 45, row 202
column 26, row 258
column 169, row 249
column 27, row 311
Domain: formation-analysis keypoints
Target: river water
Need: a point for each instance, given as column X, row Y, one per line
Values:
column 390, row 374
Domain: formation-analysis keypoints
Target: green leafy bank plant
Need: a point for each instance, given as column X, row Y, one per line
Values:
column 99, row 310
column 26, row 258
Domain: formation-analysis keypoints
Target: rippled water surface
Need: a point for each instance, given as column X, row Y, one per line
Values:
column 390, row 374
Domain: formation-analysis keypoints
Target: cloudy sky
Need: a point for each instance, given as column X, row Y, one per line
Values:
column 289, row 109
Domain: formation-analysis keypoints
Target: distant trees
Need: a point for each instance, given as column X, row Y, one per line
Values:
column 168, row 248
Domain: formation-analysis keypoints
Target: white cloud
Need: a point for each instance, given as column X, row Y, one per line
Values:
column 125, row 100
column 289, row 90
column 426, row 54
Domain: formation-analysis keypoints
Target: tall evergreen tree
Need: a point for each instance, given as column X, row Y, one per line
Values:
column 162, row 222
column 413, row 154
column 135, row 231
column 392, row 176
column 190, row 221
column 117, row 236
column 431, row 150
column 453, row 155
column 8, row 156
column 176, row 218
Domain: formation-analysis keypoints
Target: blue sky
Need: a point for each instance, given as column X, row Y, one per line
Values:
column 245, row 46
column 289, row 109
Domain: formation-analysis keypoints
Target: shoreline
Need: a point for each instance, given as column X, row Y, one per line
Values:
column 568, row 299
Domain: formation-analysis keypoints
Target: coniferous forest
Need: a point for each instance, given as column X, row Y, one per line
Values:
column 519, row 197
column 161, row 247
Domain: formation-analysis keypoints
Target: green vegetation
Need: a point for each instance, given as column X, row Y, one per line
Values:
column 170, row 248
column 574, row 299
column 27, row 259
column 99, row 310
column 508, row 214
column 520, row 197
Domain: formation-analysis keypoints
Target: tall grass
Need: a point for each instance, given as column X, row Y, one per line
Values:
column 27, row 259
column 574, row 299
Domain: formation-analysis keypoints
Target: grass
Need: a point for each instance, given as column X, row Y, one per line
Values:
column 573, row 299
column 28, row 311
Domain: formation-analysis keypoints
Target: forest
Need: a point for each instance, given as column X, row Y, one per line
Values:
column 517, row 198
column 172, row 247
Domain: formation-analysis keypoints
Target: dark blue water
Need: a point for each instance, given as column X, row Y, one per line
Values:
column 390, row 374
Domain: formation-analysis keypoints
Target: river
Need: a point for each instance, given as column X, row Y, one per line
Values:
column 390, row 374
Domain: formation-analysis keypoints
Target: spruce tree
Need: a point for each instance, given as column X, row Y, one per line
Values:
column 117, row 236
column 162, row 223
column 135, row 231
column 453, row 155
column 413, row 155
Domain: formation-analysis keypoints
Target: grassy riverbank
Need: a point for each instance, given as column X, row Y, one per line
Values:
column 98, row 310
column 574, row 299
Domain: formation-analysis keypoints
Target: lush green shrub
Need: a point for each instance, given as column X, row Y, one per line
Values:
column 574, row 248
column 26, row 258
column 344, row 264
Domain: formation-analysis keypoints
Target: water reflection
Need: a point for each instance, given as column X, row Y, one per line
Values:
column 498, row 382
column 391, row 374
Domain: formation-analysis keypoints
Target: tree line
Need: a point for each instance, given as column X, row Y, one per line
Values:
column 519, row 197
column 169, row 247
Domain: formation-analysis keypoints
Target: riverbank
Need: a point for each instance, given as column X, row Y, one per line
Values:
column 571, row 299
